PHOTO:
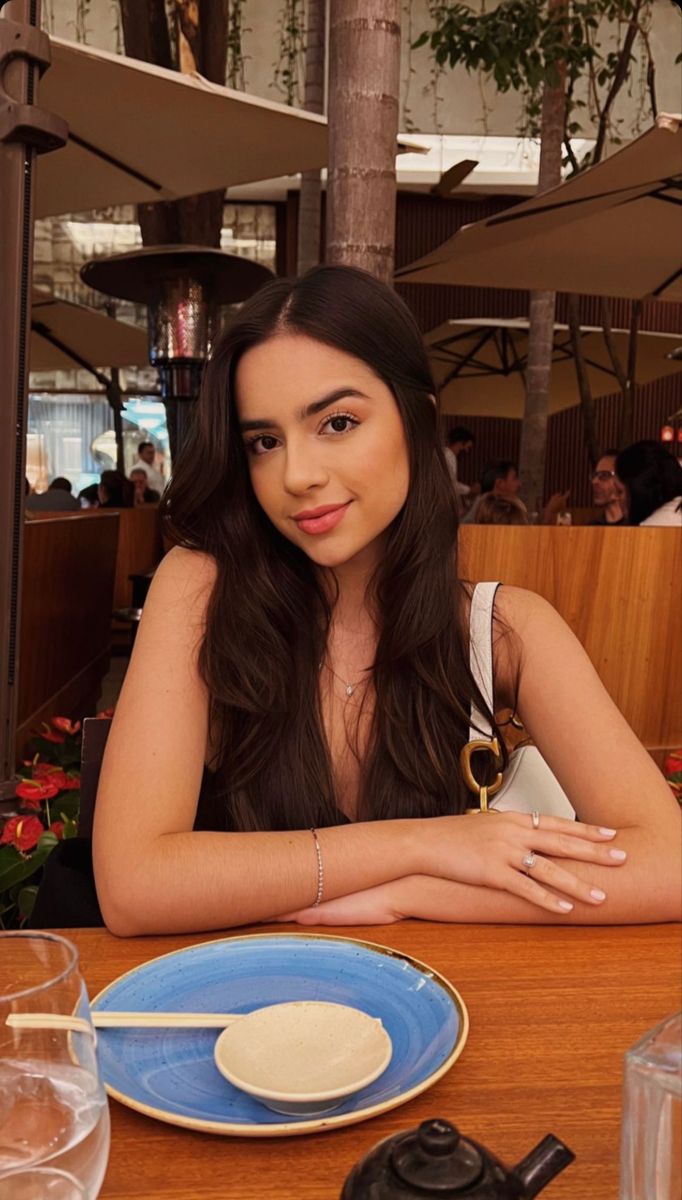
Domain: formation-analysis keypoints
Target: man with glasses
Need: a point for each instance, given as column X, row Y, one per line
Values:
column 606, row 491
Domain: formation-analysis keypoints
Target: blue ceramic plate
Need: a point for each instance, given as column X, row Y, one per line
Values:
column 171, row 1075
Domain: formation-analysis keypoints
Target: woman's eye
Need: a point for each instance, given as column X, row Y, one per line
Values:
column 262, row 443
column 341, row 422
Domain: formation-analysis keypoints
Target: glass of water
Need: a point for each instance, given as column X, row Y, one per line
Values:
column 651, row 1147
column 54, row 1117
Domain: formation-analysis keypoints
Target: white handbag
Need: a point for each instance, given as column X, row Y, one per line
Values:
column 527, row 784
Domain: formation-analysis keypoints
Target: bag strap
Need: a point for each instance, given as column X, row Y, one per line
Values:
column 481, row 655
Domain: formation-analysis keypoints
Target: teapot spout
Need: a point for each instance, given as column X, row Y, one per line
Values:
column 539, row 1168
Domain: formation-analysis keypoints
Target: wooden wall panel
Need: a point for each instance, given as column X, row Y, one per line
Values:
column 67, row 589
column 139, row 548
column 618, row 589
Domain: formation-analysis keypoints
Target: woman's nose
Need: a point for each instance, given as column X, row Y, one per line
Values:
column 303, row 466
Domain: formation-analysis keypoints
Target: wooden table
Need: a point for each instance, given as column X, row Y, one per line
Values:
column 552, row 1013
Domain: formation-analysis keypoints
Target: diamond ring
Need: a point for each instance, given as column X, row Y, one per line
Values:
column 529, row 861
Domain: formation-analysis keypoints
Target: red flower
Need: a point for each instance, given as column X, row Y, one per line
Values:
column 49, row 735
column 105, row 714
column 673, row 763
column 41, row 769
column 23, row 833
column 64, row 725
column 32, row 791
column 57, row 828
column 55, row 777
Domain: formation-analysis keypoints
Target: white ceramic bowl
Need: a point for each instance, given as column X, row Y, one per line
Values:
column 304, row 1057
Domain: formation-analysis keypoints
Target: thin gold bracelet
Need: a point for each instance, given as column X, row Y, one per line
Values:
column 320, row 870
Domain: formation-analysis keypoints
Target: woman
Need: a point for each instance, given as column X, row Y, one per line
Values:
column 307, row 641
column 652, row 483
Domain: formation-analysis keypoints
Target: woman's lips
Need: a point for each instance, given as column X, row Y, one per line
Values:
column 324, row 523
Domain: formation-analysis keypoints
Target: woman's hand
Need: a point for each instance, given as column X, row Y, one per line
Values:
column 375, row 906
column 488, row 850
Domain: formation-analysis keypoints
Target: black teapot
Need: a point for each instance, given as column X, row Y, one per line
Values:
column 436, row 1161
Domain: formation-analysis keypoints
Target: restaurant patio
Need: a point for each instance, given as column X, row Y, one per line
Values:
column 252, row 754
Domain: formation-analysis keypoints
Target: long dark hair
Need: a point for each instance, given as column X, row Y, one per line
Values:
column 268, row 617
column 652, row 477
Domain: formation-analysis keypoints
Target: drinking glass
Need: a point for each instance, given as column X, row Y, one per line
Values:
column 651, row 1146
column 54, row 1117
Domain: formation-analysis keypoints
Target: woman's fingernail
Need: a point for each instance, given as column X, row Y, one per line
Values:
column 619, row 855
column 566, row 905
column 607, row 832
column 597, row 894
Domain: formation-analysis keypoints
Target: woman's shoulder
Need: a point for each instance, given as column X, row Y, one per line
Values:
column 186, row 568
column 517, row 606
column 181, row 588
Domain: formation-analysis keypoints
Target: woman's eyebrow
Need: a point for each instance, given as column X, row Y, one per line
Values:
column 310, row 410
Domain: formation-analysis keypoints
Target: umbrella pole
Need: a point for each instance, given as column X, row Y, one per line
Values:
column 115, row 399
column 24, row 129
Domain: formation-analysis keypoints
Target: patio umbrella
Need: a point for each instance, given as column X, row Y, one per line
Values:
column 613, row 230
column 66, row 335
column 478, row 364
column 139, row 133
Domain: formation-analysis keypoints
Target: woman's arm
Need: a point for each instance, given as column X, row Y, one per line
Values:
column 599, row 762
column 606, row 772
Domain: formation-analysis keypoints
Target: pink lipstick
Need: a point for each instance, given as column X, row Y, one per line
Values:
column 323, row 519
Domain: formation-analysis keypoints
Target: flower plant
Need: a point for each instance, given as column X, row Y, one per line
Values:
column 47, row 804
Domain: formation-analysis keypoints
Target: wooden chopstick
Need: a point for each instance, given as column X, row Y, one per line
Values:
column 122, row 1020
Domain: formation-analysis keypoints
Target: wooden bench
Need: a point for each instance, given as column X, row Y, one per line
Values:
column 619, row 590
column 69, row 566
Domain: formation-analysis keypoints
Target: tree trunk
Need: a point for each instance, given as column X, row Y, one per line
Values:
column 542, row 306
column 145, row 32
column 202, row 37
column 311, row 181
column 364, row 84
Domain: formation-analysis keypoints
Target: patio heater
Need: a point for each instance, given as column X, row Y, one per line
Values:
column 25, row 130
column 184, row 288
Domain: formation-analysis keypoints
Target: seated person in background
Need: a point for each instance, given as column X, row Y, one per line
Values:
column 115, row 491
column 146, row 455
column 500, row 510
column 143, row 493
column 88, row 497
column 607, row 491
column 307, row 649
column 57, row 498
column 652, row 484
column 500, row 480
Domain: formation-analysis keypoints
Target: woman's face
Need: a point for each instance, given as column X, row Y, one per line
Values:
column 325, row 445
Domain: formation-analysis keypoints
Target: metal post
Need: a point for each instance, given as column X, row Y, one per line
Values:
column 24, row 130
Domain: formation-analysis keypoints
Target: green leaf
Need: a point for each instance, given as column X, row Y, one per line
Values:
column 421, row 40
column 22, row 868
column 26, row 900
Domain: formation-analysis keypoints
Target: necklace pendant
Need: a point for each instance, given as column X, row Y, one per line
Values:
column 350, row 688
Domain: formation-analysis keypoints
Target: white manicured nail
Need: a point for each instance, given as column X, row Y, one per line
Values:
column 566, row 905
column 619, row 855
column 597, row 894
